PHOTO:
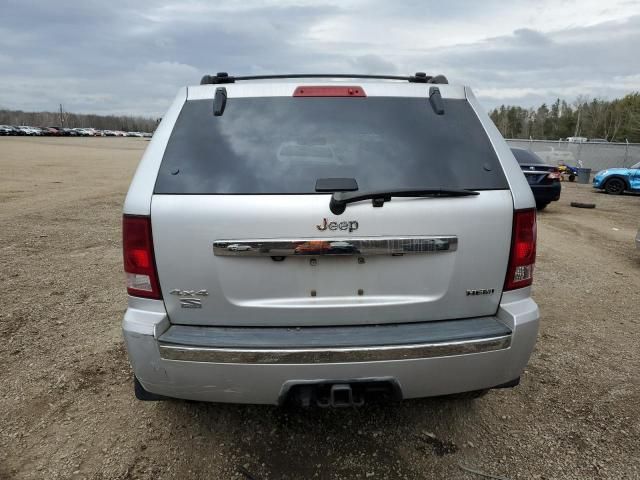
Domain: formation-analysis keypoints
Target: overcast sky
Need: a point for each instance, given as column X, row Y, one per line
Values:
column 131, row 56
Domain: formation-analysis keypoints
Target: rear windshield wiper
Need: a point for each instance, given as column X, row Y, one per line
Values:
column 339, row 200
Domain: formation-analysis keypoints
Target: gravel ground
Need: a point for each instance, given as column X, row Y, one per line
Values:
column 66, row 402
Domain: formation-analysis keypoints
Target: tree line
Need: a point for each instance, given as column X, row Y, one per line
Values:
column 125, row 123
column 613, row 120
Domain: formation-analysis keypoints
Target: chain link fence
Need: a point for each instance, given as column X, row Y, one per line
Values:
column 593, row 155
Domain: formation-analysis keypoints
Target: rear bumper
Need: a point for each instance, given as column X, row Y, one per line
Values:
column 436, row 361
column 546, row 193
column 332, row 344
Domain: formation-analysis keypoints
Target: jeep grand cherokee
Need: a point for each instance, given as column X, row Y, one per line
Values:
column 324, row 239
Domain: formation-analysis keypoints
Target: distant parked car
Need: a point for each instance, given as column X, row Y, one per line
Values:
column 31, row 131
column 134, row 134
column 82, row 132
column 6, row 130
column 618, row 180
column 56, row 131
column 67, row 132
column 49, row 131
column 577, row 139
column 544, row 179
column 109, row 133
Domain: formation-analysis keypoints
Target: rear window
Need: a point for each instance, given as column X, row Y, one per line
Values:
column 271, row 145
column 526, row 157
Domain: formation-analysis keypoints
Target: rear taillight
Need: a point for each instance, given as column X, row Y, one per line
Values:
column 139, row 261
column 523, row 250
column 554, row 174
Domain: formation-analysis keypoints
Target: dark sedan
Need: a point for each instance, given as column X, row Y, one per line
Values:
column 544, row 179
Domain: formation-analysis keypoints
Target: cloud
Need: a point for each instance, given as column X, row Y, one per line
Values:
column 372, row 64
column 530, row 38
column 131, row 57
column 594, row 61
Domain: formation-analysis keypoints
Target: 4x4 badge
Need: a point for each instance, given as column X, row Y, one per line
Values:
column 350, row 225
column 184, row 293
column 189, row 298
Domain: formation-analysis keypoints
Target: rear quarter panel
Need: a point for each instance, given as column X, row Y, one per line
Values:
column 138, row 201
column 520, row 190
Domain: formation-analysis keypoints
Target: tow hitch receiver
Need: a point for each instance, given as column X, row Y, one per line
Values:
column 339, row 395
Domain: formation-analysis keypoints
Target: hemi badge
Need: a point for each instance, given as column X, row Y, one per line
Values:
column 480, row 291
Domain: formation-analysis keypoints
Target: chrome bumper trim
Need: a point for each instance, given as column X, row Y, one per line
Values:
column 335, row 246
column 333, row 355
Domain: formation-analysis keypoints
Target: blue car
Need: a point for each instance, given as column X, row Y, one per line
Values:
column 618, row 180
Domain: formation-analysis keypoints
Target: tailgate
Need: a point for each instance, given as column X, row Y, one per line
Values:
column 415, row 259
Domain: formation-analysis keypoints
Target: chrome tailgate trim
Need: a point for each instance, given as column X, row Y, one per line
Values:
column 335, row 246
column 333, row 355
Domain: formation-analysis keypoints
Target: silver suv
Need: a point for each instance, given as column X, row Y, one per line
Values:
column 327, row 239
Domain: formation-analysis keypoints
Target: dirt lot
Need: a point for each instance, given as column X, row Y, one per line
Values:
column 66, row 402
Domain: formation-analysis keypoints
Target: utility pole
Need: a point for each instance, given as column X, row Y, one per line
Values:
column 61, row 117
column 577, row 124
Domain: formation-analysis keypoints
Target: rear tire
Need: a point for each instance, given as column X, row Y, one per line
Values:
column 144, row 395
column 541, row 206
column 615, row 186
column 572, row 177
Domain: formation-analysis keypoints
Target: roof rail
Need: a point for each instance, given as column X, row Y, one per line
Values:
column 419, row 77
